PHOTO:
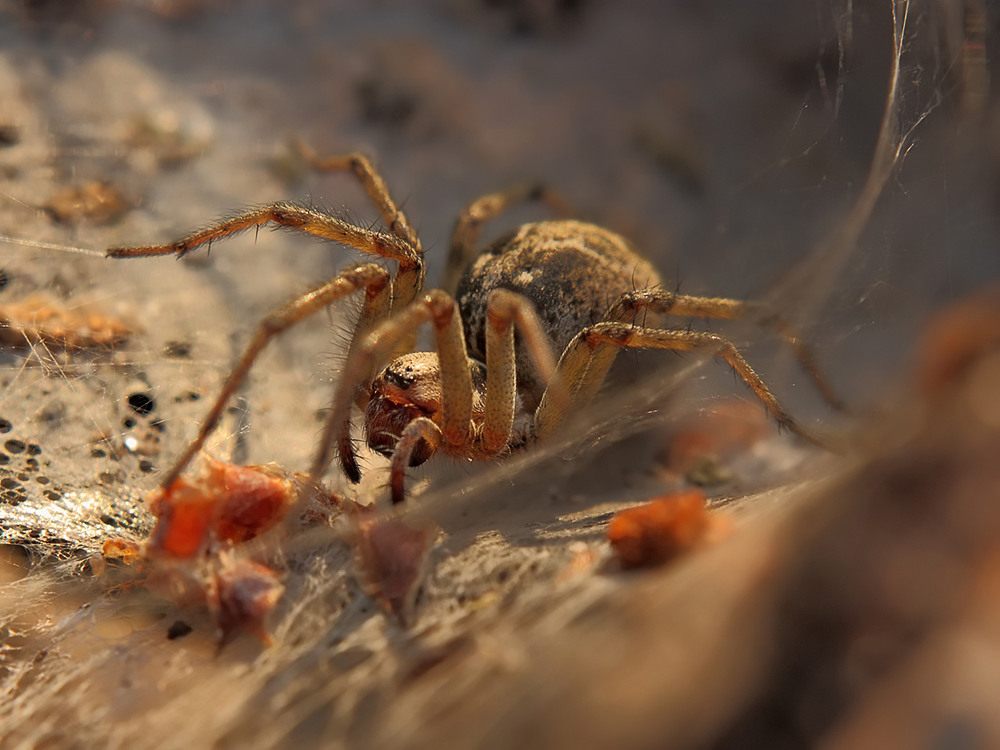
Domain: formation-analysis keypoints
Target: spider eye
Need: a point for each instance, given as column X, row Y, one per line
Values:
column 398, row 380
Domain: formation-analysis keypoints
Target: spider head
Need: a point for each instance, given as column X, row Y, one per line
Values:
column 408, row 388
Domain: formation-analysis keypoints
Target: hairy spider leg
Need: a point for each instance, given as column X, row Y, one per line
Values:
column 408, row 282
column 382, row 294
column 505, row 311
column 722, row 308
column 575, row 367
column 361, row 167
column 410, row 264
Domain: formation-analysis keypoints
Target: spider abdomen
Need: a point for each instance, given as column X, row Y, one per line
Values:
column 571, row 271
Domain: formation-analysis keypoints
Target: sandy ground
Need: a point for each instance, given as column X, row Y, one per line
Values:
column 728, row 142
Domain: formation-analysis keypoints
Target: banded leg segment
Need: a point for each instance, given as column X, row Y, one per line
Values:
column 505, row 311
column 374, row 279
column 573, row 367
column 469, row 226
column 721, row 308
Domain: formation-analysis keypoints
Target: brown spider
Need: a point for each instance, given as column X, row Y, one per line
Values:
column 482, row 393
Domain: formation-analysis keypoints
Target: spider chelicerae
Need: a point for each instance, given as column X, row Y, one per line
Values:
column 485, row 391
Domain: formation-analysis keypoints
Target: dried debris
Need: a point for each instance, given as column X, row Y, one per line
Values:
column 40, row 319
column 859, row 611
column 92, row 202
column 167, row 139
column 704, row 445
column 956, row 339
column 221, row 503
column 193, row 555
column 241, row 594
column 196, row 554
column 391, row 558
column 663, row 529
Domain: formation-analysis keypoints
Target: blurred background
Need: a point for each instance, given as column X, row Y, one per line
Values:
column 728, row 142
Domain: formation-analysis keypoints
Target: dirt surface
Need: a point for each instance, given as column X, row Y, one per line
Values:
column 732, row 145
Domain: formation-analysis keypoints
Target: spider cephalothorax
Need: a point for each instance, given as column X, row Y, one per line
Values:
column 409, row 388
column 564, row 286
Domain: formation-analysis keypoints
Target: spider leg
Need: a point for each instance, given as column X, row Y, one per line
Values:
column 573, row 368
column 375, row 307
column 438, row 308
column 406, row 285
column 370, row 277
column 505, row 311
column 722, row 308
column 417, row 430
column 361, row 167
column 409, row 257
column 469, row 226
